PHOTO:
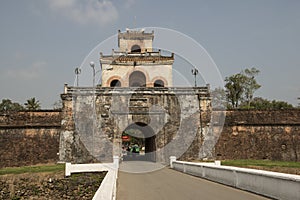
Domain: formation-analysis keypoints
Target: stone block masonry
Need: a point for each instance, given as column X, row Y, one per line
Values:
column 260, row 134
column 29, row 137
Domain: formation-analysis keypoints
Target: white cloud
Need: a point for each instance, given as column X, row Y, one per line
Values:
column 88, row 11
column 32, row 72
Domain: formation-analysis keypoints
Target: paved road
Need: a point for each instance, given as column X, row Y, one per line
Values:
column 168, row 184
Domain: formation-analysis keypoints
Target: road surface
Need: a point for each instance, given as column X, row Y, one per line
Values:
column 168, row 184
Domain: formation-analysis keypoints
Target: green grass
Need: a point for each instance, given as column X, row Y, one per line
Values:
column 32, row 169
column 262, row 163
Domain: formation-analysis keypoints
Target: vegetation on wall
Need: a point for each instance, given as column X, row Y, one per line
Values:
column 261, row 103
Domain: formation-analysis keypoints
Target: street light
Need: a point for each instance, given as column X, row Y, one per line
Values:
column 92, row 64
column 195, row 73
column 77, row 72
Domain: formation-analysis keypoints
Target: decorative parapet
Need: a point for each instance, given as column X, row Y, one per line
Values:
column 136, row 35
column 140, row 58
column 202, row 91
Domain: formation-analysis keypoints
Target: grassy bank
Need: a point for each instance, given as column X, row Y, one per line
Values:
column 33, row 169
column 261, row 163
column 276, row 166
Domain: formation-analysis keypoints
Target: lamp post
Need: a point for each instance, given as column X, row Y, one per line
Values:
column 92, row 64
column 77, row 72
column 195, row 73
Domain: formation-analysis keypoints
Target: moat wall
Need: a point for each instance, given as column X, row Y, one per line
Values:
column 260, row 134
column 28, row 138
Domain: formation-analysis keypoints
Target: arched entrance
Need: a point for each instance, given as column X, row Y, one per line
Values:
column 136, row 49
column 115, row 83
column 159, row 83
column 138, row 143
column 137, row 79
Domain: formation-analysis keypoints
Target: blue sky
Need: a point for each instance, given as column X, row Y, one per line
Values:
column 43, row 41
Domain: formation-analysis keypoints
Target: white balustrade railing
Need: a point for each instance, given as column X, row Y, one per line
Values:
column 107, row 189
column 271, row 184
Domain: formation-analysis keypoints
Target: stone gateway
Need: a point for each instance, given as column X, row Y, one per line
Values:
column 135, row 113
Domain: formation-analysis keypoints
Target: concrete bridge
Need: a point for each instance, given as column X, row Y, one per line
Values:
column 169, row 184
column 131, row 180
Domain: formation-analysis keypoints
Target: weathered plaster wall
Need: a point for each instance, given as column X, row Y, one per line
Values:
column 169, row 112
column 122, row 73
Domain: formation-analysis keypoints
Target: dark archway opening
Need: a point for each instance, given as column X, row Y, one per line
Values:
column 137, row 79
column 159, row 83
column 115, row 83
column 138, row 143
column 136, row 49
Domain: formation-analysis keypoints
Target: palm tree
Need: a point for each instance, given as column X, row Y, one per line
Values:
column 32, row 104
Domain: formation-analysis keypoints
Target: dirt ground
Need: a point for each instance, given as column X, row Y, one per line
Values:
column 49, row 186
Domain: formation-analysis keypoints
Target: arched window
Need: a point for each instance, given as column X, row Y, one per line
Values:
column 136, row 48
column 137, row 79
column 115, row 83
column 159, row 83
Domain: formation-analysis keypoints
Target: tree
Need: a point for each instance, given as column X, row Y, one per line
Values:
column 8, row 105
column 235, row 89
column 32, row 104
column 280, row 105
column 250, row 84
column 240, row 87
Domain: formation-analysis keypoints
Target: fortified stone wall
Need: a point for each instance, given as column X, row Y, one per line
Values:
column 260, row 134
column 29, row 137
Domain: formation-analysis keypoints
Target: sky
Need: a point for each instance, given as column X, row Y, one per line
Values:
column 42, row 42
